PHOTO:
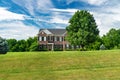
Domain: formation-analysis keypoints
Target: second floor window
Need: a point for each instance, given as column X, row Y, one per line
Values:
column 42, row 38
column 57, row 38
column 50, row 38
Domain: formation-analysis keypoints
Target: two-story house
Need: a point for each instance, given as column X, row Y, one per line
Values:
column 52, row 39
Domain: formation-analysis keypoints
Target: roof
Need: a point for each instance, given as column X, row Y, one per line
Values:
column 54, row 31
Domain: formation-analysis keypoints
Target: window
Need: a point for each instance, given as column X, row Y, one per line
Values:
column 50, row 38
column 57, row 38
column 42, row 38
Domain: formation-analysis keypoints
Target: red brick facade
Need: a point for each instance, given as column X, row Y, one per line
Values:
column 49, row 41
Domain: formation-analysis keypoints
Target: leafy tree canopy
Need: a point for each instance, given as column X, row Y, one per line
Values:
column 82, row 29
column 112, row 39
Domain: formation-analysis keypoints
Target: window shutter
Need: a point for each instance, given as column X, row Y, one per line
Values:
column 40, row 38
column 44, row 38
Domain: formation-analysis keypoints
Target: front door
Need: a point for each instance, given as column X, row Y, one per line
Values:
column 50, row 47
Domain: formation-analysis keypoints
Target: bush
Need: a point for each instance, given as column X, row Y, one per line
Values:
column 58, row 49
column 3, row 46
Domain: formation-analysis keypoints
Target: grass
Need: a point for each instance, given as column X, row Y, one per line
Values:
column 68, row 65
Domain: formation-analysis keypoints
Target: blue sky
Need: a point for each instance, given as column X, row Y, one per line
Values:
column 21, row 19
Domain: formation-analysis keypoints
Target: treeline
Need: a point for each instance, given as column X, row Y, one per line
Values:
column 23, row 45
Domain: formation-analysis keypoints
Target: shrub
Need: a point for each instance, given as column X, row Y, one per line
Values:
column 3, row 46
column 58, row 49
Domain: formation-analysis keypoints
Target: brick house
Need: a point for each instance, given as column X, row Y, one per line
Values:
column 52, row 39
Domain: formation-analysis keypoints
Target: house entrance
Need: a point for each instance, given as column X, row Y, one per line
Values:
column 50, row 47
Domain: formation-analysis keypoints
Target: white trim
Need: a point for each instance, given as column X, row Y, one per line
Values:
column 44, row 38
column 40, row 38
column 60, row 38
column 47, row 31
column 55, row 38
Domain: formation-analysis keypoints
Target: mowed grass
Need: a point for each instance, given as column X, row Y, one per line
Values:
column 66, row 65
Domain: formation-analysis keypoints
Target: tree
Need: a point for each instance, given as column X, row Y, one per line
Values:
column 82, row 29
column 34, row 46
column 112, row 39
column 12, row 43
column 3, row 46
column 21, row 45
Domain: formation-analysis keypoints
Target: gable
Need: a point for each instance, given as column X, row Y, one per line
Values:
column 44, row 31
column 57, row 32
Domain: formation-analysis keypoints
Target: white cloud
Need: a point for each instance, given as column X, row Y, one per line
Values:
column 31, row 5
column 44, row 4
column 7, row 15
column 17, row 30
column 92, row 2
column 64, row 10
column 107, row 18
column 95, row 2
column 58, row 20
column 57, row 16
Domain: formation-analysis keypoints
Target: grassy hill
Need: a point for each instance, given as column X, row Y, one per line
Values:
column 70, row 65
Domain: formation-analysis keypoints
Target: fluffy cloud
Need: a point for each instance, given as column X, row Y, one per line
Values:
column 11, row 26
column 35, row 5
column 7, row 15
column 17, row 30
column 92, row 2
column 95, row 2
column 51, row 14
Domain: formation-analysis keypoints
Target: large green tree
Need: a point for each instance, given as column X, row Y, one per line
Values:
column 82, row 29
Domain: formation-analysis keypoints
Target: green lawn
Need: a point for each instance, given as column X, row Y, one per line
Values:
column 68, row 65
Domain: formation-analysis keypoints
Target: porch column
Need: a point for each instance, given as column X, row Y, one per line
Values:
column 52, row 47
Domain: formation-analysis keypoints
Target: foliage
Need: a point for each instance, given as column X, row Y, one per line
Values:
column 95, row 45
column 12, row 44
column 82, row 29
column 112, row 39
column 34, row 46
column 23, row 45
column 3, row 46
